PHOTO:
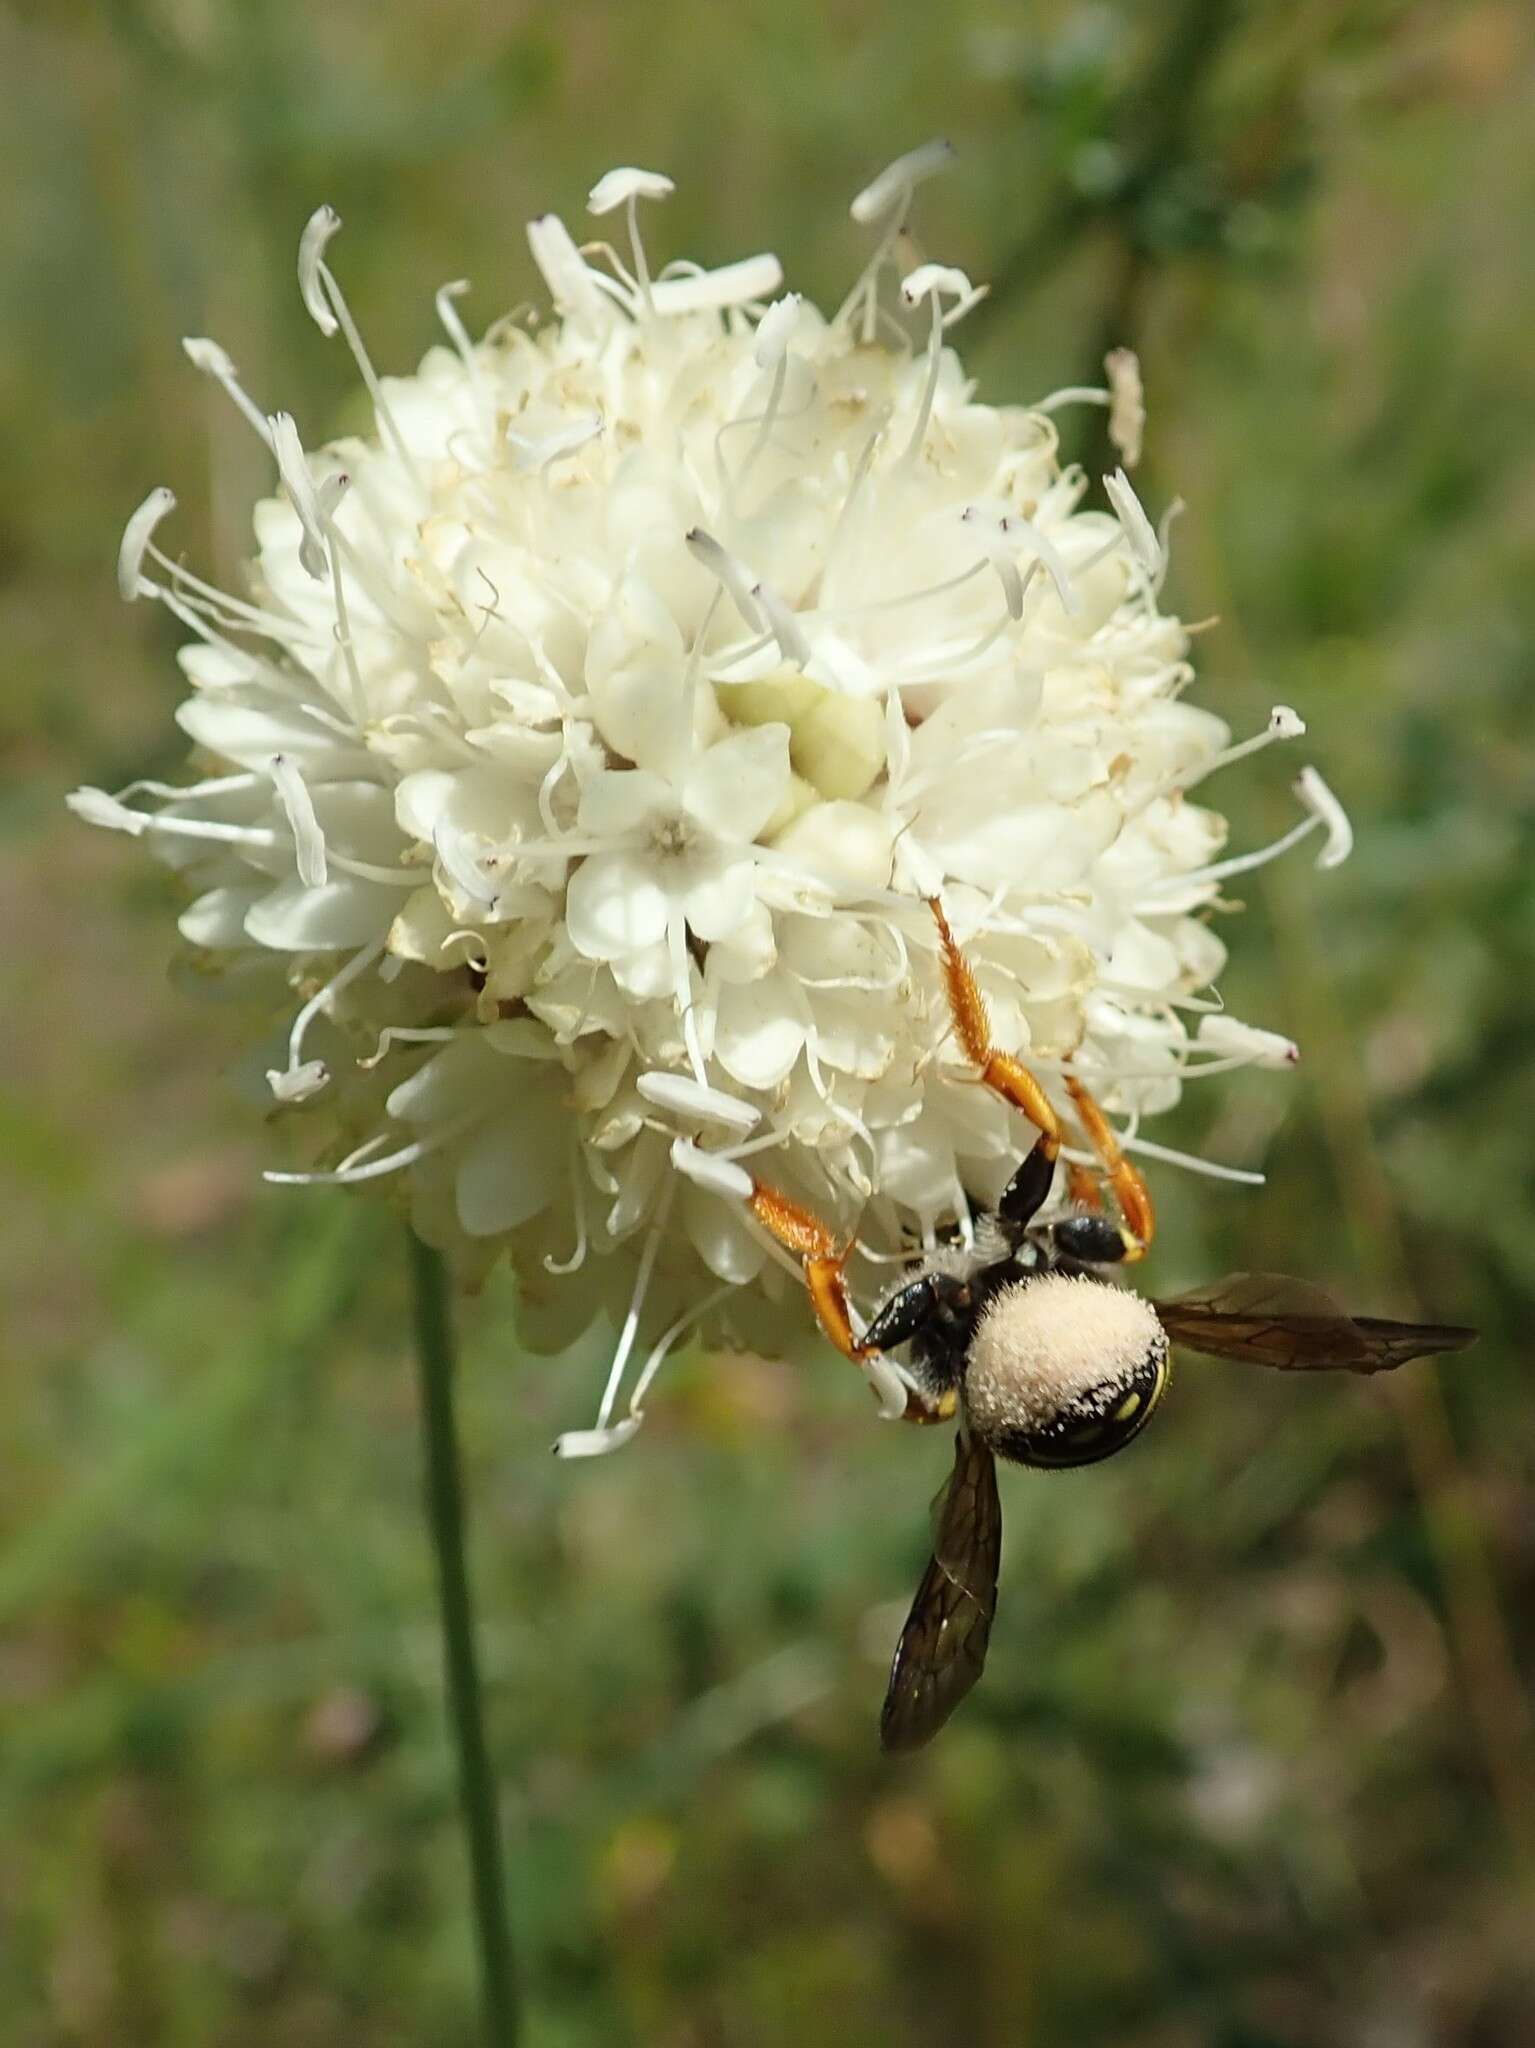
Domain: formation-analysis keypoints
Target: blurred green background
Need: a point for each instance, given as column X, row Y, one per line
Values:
column 1252, row 1766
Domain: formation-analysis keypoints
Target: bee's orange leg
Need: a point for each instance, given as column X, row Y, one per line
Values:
column 823, row 1261
column 1000, row 1072
column 1138, row 1225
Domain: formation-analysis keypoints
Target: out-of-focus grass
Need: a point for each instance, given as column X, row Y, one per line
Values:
column 1251, row 1766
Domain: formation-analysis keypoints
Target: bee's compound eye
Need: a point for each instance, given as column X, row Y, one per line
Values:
column 1064, row 1371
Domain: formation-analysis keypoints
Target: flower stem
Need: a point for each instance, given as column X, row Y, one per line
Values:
column 445, row 1518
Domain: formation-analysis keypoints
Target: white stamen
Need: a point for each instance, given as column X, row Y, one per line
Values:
column 298, row 481
column 774, row 330
column 682, row 1094
column 1127, row 404
column 1165, row 1153
column 889, row 1387
column 705, row 549
column 577, row 1259
column 1221, row 1034
column 322, row 224
column 1324, row 806
column 308, row 839
column 631, row 1326
column 454, row 328
column 404, row 1034
column 562, row 441
column 784, row 625
column 893, row 186
column 1284, row 724
column 207, row 357
column 709, row 1170
column 320, row 1002
column 733, row 284
column 992, row 542
column 596, row 1443
column 616, row 188
column 662, row 1349
column 1138, row 529
column 94, row 807
column 298, row 1084
column 137, row 535
column 570, row 279
column 1050, row 560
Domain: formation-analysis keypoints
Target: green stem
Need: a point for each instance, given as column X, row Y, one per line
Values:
column 445, row 1517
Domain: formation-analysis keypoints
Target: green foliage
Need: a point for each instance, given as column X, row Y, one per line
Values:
column 1252, row 1767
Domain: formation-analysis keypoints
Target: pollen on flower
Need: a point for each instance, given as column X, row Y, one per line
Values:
column 590, row 736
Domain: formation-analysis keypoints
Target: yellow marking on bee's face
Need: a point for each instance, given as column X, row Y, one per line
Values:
column 1127, row 1408
column 948, row 1401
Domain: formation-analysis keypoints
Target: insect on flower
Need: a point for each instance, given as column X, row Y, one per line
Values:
column 1042, row 1360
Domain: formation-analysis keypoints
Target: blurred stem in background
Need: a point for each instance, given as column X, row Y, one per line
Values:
column 445, row 1517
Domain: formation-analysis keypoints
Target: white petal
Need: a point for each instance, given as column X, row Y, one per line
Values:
column 217, row 918
column 708, row 1170
column 757, row 1037
column 620, row 801
column 634, row 672
column 616, row 905
column 613, row 188
column 721, row 1237
column 734, row 787
column 508, row 1172
column 717, row 892
column 774, row 330
column 345, row 912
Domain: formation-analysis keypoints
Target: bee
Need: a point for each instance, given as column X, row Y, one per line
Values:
column 1042, row 1359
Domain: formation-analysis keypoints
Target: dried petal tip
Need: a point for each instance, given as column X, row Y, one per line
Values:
column 1228, row 1037
column 1320, row 801
column 616, row 187
column 322, row 224
column 137, row 535
column 1127, row 404
column 895, row 182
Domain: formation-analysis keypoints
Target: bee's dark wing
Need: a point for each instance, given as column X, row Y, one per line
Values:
column 943, row 1645
column 1265, row 1319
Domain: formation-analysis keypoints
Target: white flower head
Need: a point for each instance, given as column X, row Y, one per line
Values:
column 589, row 761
